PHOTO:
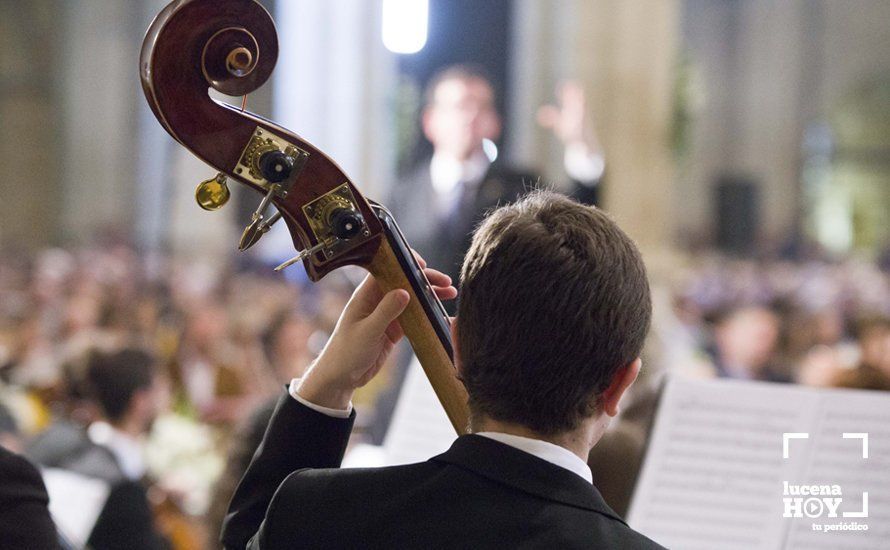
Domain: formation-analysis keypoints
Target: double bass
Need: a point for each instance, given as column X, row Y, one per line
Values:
column 231, row 46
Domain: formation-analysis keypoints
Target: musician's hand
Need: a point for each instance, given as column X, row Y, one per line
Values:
column 364, row 337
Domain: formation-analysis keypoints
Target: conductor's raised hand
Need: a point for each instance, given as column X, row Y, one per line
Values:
column 569, row 118
column 362, row 340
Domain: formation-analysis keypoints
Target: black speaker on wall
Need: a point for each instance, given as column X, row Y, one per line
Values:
column 737, row 206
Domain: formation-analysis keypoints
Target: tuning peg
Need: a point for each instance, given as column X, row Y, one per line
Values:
column 304, row 254
column 275, row 166
column 212, row 194
column 256, row 229
column 258, row 225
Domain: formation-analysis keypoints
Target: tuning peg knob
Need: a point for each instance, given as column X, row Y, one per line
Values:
column 212, row 194
column 275, row 166
column 346, row 223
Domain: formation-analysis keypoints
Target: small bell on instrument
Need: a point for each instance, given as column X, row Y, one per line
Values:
column 212, row 194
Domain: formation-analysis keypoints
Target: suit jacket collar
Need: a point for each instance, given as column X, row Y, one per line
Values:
column 520, row 470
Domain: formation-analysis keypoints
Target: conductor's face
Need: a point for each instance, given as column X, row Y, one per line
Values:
column 460, row 116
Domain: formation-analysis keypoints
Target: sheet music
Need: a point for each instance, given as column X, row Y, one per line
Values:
column 714, row 472
column 419, row 428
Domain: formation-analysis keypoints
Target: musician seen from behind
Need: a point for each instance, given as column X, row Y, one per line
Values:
column 553, row 313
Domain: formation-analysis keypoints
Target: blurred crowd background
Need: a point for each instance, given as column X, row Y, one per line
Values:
column 746, row 147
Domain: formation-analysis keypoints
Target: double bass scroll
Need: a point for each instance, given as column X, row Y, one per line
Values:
column 231, row 46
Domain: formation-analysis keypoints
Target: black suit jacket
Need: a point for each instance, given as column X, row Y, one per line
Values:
column 24, row 517
column 479, row 494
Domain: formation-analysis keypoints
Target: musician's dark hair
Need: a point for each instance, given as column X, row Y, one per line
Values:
column 114, row 377
column 554, row 300
column 462, row 71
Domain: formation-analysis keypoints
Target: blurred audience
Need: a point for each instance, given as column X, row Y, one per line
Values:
column 223, row 343
column 286, row 343
column 770, row 320
column 209, row 371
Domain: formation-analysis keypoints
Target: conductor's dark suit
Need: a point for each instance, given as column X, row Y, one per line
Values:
column 443, row 243
column 479, row 494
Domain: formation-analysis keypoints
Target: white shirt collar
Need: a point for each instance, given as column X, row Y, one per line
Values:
column 126, row 450
column 554, row 454
column 446, row 172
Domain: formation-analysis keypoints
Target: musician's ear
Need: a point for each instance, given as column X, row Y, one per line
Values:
column 454, row 346
column 623, row 379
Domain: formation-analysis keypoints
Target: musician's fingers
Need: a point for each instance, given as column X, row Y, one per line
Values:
column 394, row 332
column 419, row 258
column 389, row 308
column 437, row 278
column 364, row 299
column 445, row 292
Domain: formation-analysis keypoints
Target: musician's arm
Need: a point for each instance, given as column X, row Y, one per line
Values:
column 305, row 431
column 297, row 437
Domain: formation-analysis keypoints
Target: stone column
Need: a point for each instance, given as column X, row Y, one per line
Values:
column 623, row 51
column 30, row 201
column 98, row 98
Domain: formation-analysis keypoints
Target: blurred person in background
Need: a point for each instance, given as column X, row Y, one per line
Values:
column 873, row 370
column 210, row 375
column 444, row 196
column 745, row 345
column 820, row 347
column 128, row 393
column 286, row 344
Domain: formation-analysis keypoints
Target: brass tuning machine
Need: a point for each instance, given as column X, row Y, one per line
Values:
column 269, row 162
column 336, row 222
